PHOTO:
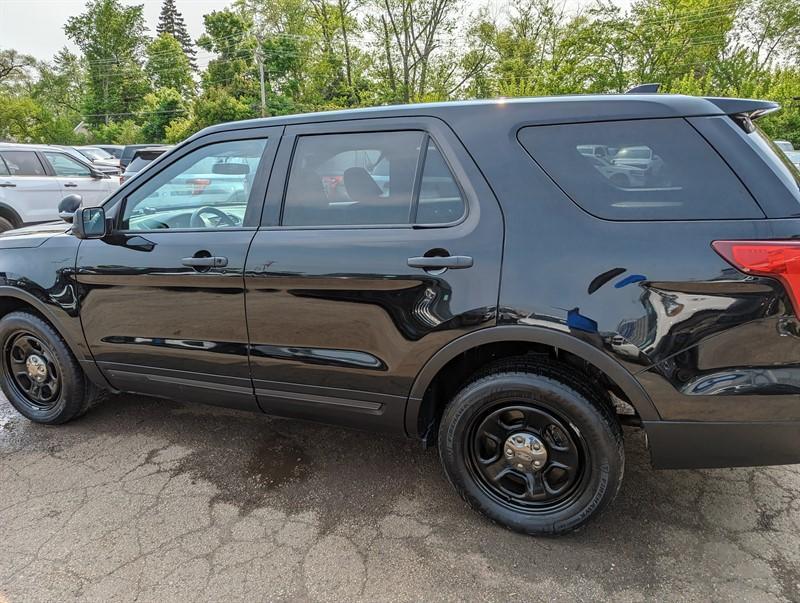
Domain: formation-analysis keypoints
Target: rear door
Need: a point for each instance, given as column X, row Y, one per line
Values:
column 76, row 178
column 28, row 189
column 383, row 245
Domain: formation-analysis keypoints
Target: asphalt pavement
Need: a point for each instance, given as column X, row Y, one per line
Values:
column 151, row 500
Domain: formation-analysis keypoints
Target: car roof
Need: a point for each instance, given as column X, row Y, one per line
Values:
column 534, row 111
column 18, row 146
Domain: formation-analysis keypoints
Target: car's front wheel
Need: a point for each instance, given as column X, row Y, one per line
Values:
column 533, row 446
column 40, row 377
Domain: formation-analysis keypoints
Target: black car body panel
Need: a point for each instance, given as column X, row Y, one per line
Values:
column 331, row 323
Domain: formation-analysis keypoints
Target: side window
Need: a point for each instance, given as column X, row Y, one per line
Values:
column 208, row 188
column 352, row 179
column 655, row 169
column 23, row 163
column 368, row 179
column 65, row 166
column 440, row 199
column 3, row 169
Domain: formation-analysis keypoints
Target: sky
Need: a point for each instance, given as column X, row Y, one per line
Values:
column 36, row 27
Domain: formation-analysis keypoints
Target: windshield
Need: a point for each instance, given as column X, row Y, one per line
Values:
column 94, row 153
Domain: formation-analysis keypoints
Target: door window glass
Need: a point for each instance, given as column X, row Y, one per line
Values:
column 652, row 169
column 368, row 179
column 23, row 163
column 352, row 179
column 67, row 167
column 3, row 169
column 208, row 188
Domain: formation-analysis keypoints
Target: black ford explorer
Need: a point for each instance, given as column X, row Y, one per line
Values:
column 511, row 280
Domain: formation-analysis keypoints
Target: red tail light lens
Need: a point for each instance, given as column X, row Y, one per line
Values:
column 778, row 259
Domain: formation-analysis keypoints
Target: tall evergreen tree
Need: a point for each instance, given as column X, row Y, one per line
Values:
column 171, row 21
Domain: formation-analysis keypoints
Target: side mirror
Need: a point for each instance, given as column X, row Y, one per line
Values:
column 68, row 206
column 98, row 175
column 89, row 223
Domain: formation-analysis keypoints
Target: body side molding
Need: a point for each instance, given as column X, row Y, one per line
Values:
column 532, row 334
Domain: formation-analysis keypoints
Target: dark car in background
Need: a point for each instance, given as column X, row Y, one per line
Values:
column 472, row 275
column 141, row 159
column 113, row 149
column 127, row 154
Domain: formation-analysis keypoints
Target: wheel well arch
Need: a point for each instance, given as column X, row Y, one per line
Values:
column 448, row 369
column 6, row 211
column 12, row 300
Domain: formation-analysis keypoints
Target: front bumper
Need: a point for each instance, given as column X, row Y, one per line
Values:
column 702, row 444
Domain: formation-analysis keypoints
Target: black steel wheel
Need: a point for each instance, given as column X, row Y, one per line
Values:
column 32, row 368
column 533, row 446
column 527, row 457
column 40, row 376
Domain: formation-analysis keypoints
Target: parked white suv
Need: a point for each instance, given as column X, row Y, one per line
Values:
column 34, row 179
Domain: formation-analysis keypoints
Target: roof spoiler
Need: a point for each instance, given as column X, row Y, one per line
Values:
column 644, row 89
column 744, row 107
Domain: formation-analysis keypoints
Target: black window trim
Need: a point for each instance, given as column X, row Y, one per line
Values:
column 272, row 136
column 427, row 138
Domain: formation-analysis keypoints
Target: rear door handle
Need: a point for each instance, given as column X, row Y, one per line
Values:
column 454, row 262
column 206, row 262
column 7, row 185
column 71, row 185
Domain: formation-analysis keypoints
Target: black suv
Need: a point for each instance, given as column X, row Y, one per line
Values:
column 515, row 280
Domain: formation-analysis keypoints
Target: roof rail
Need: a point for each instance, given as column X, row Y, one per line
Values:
column 644, row 89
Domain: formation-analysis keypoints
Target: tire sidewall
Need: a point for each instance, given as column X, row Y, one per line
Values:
column 604, row 461
column 72, row 384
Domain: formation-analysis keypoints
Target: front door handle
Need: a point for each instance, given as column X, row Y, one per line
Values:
column 206, row 262
column 7, row 185
column 454, row 262
column 70, row 185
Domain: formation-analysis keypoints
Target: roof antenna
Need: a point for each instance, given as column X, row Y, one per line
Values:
column 644, row 89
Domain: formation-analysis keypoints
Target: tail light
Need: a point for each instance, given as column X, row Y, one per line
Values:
column 777, row 259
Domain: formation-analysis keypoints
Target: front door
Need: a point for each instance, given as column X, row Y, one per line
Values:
column 76, row 178
column 162, row 297
column 383, row 246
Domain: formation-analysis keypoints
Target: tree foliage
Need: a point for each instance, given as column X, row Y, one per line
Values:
column 328, row 54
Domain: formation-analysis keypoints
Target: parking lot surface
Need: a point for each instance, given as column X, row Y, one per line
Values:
column 151, row 500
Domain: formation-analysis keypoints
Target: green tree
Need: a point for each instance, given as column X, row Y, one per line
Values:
column 112, row 39
column 160, row 109
column 168, row 67
column 170, row 21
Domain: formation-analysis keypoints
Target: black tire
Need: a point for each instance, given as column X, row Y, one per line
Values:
column 543, row 402
column 65, row 391
column 6, row 224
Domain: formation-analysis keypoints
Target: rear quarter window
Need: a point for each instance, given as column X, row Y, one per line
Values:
column 657, row 169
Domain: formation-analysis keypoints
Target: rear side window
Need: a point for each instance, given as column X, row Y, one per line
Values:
column 3, row 169
column 375, row 178
column 657, row 169
column 23, row 163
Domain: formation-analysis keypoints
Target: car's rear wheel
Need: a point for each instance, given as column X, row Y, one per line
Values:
column 40, row 376
column 533, row 446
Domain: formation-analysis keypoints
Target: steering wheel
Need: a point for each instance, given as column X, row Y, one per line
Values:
column 197, row 221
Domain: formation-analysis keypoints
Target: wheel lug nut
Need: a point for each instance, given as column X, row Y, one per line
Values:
column 519, row 466
column 537, row 446
column 536, row 463
column 509, row 452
